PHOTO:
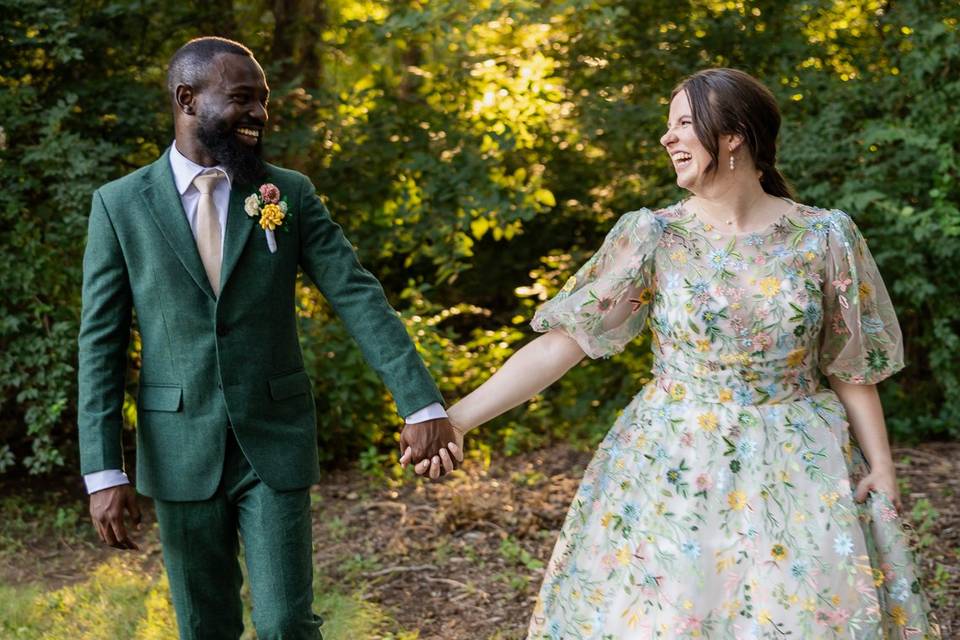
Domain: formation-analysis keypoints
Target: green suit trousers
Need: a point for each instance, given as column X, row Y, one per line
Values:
column 201, row 548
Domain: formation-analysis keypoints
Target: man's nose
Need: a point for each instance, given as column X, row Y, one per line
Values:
column 259, row 111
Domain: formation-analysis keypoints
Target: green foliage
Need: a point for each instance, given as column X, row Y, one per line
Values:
column 476, row 151
column 513, row 553
column 32, row 517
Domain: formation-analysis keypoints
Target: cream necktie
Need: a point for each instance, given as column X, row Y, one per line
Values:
column 208, row 228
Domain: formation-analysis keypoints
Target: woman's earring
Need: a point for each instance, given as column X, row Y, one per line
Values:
column 733, row 165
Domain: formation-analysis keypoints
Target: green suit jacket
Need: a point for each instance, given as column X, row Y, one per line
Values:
column 207, row 361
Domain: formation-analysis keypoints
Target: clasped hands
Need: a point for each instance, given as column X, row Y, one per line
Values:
column 434, row 447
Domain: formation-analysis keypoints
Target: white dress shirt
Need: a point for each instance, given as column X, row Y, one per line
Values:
column 184, row 171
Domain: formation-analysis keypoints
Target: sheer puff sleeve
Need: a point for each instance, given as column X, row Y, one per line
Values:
column 604, row 305
column 861, row 341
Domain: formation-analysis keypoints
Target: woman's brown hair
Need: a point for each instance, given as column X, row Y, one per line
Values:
column 729, row 101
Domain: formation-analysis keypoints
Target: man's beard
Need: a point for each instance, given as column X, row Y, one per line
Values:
column 242, row 162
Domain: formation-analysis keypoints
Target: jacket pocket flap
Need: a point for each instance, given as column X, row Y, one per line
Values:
column 160, row 397
column 289, row 385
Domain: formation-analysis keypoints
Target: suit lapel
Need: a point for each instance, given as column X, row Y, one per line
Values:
column 239, row 226
column 164, row 204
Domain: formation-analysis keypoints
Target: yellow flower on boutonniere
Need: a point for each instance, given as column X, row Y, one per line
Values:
column 271, row 217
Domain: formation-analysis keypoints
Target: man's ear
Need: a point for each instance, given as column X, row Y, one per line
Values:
column 186, row 99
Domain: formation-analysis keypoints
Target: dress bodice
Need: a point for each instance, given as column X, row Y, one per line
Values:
column 750, row 318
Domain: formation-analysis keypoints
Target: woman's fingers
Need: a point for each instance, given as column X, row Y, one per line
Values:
column 448, row 463
column 456, row 451
column 436, row 466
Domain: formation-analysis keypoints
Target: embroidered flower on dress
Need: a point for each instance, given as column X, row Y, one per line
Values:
column 737, row 500
column 843, row 544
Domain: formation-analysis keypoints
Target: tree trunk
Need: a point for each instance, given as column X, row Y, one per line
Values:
column 298, row 26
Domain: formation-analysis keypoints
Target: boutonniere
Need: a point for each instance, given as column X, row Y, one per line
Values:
column 270, row 209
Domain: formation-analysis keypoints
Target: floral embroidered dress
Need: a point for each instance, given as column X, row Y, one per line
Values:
column 720, row 504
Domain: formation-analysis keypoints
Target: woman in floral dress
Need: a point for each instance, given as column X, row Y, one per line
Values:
column 722, row 504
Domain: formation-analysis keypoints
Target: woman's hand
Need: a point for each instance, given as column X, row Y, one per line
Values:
column 883, row 480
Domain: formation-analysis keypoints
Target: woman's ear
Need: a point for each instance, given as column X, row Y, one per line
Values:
column 731, row 141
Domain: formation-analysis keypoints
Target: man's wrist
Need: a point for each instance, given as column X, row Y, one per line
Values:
column 100, row 480
column 433, row 411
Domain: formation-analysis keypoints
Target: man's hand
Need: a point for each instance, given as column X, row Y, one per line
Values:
column 106, row 510
column 433, row 445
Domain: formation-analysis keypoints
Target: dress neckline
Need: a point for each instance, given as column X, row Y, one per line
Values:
column 708, row 227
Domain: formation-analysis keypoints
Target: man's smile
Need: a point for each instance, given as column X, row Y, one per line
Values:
column 249, row 135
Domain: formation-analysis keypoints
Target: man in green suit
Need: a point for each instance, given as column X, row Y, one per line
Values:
column 205, row 245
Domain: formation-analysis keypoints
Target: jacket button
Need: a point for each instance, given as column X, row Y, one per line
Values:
column 222, row 330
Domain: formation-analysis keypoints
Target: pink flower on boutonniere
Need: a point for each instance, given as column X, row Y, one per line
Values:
column 270, row 193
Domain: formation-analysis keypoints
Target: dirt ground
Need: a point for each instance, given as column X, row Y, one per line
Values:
column 463, row 558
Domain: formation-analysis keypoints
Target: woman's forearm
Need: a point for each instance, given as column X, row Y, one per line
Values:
column 526, row 373
column 865, row 415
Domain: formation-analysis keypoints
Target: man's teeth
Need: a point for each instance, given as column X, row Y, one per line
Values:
column 253, row 133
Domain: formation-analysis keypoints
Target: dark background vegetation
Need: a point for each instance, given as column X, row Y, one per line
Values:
column 475, row 151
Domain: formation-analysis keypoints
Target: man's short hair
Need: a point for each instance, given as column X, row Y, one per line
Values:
column 189, row 64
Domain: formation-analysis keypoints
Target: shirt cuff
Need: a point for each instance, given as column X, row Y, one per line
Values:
column 429, row 412
column 100, row 480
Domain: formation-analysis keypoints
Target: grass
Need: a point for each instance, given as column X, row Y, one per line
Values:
column 119, row 600
column 115, row 601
